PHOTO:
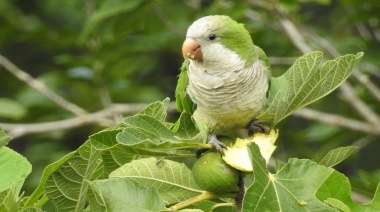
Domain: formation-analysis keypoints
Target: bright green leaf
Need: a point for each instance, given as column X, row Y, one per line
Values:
column 293, row 188
column 338, row 187
column 305, row 82
column 39, row 191
column 66, row 186
column 335, row 156
column 337, row 204
column 145, row 132
column 9, row 200
column 157, row 110
column 173, row 181
column 124, row 195
column 4, row 139
column 14, row 168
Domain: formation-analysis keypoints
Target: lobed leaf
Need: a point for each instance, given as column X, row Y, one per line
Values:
column 173, row 181
column 157, row 110
column 146, row 132
column 305, row 82
column 14, row 168
column 292, row 188
column 123, row 195
column 336, row 191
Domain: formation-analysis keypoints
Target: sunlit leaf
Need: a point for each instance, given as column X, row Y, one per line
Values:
column 173, row 181
column 292, row 188
column 14, row 168
column 144, row 132
column 9, row 200
column 337, row 189
column 66, row 186
column 4, row 139
column 305, row 82
column 114, row 195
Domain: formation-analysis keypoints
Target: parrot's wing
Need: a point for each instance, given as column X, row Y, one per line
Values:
column 263, row 57
column 183, row 101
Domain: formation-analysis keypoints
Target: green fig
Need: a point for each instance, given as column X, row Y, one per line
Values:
column 212, row 174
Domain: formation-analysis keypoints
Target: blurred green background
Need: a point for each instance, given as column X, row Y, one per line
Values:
column 96, row 53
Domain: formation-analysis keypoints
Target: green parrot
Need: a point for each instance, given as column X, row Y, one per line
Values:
column 224, row 79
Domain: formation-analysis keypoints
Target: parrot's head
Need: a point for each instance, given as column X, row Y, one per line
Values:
column 218, row 41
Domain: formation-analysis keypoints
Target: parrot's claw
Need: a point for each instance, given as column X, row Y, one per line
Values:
column 218, row 145
column 256, row 126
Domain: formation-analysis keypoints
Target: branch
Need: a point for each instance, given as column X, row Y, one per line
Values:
column 346, row 89
column 366, row 82
column 103, row 117
column 350, row 96
column 282, row 60
column 40, row 87
column 336, row 120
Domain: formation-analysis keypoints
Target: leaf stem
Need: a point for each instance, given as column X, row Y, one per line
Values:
column 204, row 196
column 41, row 201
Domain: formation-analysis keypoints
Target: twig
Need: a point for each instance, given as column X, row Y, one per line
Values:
column 294, row 35
column 350, row 96
column 346, row 89
column 281, row 60
column 40, row 87
column 366, row 82
column 103, row 117
column 336, row 120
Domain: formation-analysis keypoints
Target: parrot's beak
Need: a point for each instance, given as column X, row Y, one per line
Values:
column 191, row 49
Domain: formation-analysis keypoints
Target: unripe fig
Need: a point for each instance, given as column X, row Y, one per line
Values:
column 212, row 174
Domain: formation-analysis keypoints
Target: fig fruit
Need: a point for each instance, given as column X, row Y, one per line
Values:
column 212, row 174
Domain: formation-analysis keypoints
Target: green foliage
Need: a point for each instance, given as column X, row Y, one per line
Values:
column 106, row 174
column 129, row 51
column 14, row 168
column 123, row 195
column 305, row 82
column 293, row 187
column 335, row 156
column 173, row 181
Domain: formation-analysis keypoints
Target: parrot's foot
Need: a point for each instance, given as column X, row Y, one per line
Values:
column 256, row 126
column 215, row 143
column 218, row 145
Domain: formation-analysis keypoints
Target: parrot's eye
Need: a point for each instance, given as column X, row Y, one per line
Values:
column 212, row 37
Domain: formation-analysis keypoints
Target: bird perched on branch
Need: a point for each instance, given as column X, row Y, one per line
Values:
column 224, row 79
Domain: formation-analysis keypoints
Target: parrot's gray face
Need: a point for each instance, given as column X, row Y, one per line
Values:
column 205, row 49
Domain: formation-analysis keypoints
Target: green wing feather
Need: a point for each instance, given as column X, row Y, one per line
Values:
column 263, row 57
column 183, row 101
